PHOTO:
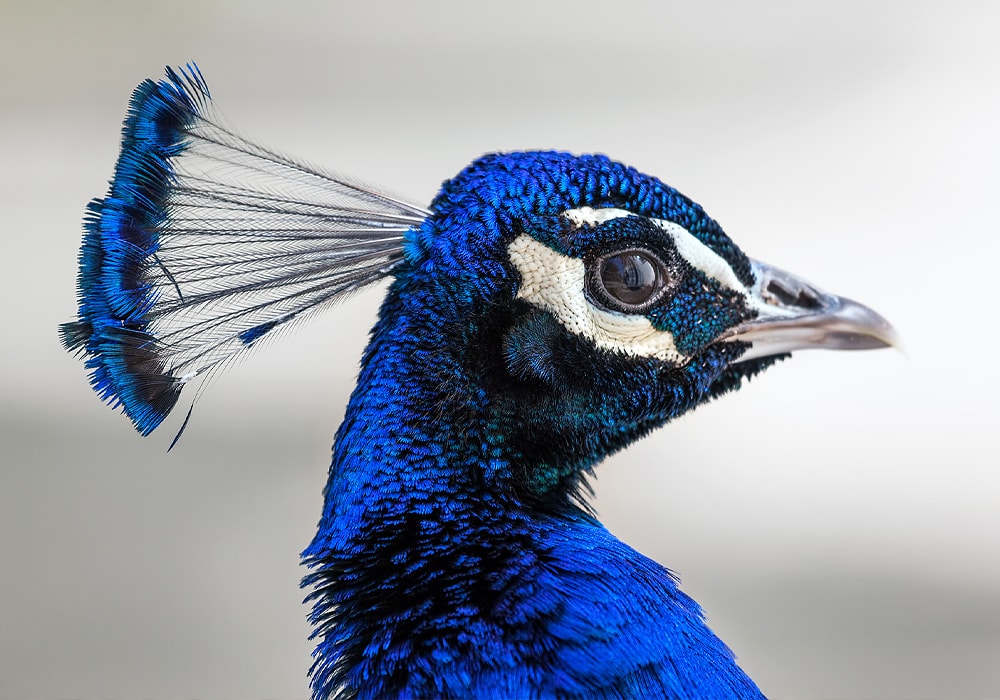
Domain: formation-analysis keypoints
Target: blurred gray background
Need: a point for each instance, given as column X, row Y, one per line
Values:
column 838, row 519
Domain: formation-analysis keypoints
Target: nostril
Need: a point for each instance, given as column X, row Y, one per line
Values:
column 800, row 297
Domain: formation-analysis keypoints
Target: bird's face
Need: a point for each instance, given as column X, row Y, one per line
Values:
column 597, row 303
column 635, row 285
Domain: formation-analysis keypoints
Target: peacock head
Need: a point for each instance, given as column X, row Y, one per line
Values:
column 594, row 303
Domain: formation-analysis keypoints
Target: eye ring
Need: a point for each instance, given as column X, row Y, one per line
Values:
column 629, row 281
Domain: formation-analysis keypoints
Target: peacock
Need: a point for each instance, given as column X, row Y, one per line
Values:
column 545, row 311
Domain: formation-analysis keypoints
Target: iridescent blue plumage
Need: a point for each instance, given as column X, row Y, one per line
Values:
column 120, row 240
column 207, row 242
column 546, row 310
column 454, row 557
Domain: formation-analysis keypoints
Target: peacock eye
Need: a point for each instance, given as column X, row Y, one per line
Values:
column 629, row 281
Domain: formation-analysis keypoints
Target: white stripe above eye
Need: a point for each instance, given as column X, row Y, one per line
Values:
column 698, row 255
column 556, row 283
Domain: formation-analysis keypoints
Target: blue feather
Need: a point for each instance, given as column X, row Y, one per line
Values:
column 546, row 311
column 197, row 252
column 120, row 241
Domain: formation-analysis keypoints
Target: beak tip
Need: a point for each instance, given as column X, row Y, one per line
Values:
column 894, row 340
column 872, row 330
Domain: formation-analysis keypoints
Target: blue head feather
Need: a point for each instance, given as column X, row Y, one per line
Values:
column 196, row 253
column 120, row 243
column 546, row 310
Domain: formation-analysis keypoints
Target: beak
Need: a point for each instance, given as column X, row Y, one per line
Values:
column 794, row 315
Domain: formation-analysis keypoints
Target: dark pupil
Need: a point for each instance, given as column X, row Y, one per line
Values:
column 631, row 278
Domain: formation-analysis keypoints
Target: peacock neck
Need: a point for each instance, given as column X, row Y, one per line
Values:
column 419, row 438
column 432, row 576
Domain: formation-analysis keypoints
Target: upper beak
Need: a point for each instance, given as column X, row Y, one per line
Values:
column 794, row 315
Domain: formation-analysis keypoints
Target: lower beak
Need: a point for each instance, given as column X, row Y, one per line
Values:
column 795, row 315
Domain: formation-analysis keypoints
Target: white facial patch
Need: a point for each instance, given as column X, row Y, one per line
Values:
column 557, row 283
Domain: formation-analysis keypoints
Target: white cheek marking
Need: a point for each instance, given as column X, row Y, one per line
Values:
column 555, row 283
